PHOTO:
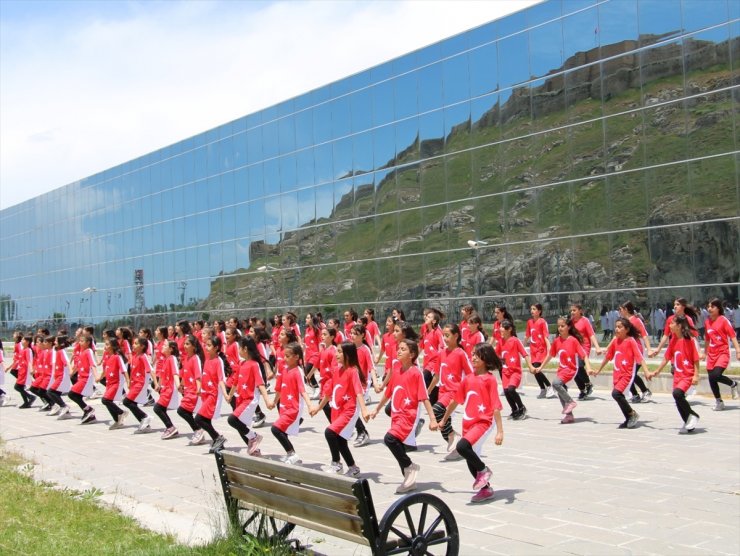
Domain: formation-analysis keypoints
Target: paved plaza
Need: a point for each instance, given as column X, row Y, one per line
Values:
column 585, row 488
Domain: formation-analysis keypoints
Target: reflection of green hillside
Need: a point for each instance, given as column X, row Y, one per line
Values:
column 493, row 188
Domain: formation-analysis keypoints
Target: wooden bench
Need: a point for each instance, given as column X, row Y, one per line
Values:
column 268, row 499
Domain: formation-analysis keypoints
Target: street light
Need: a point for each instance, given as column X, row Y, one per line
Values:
column 265, row 268
column 89, row 291
column 475, row 244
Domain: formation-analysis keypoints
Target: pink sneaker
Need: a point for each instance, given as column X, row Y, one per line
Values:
column 569, row 408
column 253, row 444
column 486, row 493
column 481, row 479
column 568, row 419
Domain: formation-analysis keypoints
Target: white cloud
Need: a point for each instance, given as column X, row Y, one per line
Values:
column 86, row 94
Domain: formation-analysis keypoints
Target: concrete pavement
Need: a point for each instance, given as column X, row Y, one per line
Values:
column 585, row 488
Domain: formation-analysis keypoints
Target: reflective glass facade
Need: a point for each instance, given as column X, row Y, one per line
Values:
column 591, row 145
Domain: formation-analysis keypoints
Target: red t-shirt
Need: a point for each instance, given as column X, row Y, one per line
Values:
column 454, row 365
column 537, row 332
column 511, row 351
column 474, row 338
column 583, row 325
column 405, row 390
column 345, row 386
column 249, row 379
column 390, row 348
column 567, row 351
column 717, row 335
column 626, row 354
column 479, row 395
column 433, row 343
column 327, row 361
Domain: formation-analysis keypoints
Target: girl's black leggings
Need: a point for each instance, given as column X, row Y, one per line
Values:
column 56, row 397
column 637, row 382
column 282, row 437
column 77, row 398
column 134, row 408
column 682, row 404
column 113, row 408
column 514, row 399
column 541, row 378
column 240, row 427
column 205, row 424
column 465, row 449
column 439, row 412
column 398, row 451
column 715, row 378
column 187, row 416
column 41, row 393
column 622, row 403
column 161, row 412
column 22, row 391
column 338, row 445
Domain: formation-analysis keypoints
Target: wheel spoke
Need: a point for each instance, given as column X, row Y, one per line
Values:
column 399, row 550
column 401, row 535
column 410, row 521
column 433, row 526
column 440, row 540
column 423, row 517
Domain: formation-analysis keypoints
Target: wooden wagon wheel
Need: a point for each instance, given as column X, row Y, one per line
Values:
column 263, row 526
column 419, row 524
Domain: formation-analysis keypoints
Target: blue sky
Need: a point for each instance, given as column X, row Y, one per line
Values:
column 86, row 85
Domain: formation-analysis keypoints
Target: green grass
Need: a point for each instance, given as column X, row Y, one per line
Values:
column 37, row 519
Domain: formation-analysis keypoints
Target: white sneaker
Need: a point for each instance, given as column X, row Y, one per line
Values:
column 334, row 467
column 96, row 395
column 690, row 393
column 353, row 471
column 54, row 411
column 253, row 444
column 146, row 423
column 451, row 441
column 550, row 392
column 647, row 395
column 122, row 418
column 409, row 479
column 64, row 413
column 733, row 390
column 691, row 422
column 362, row 439
column 2, row 400
column 719, row 405
column 453, row 456
column 292, row 459
column 199, row 437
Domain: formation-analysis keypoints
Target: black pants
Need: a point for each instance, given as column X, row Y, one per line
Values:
column 582, row 379
column 327, row 412
column 77, row 398
column 161, row 412
column 188, row 417
column 240, row 427
column 428, row 375
column 638, row 382
column 312, row 379
column 22, row 391
column 398, row 451
column 475, row 464
column 682, row 404
column 112, row 408
column 282, row 437
column 542, row 380
column 514, row 399
column 41, row 393
column 56, row 397
column 439, row 412
column 359, row 426
column 622, row 403
column 134, row 408
column 205, row 424
column 715, row 378
column 337, row 446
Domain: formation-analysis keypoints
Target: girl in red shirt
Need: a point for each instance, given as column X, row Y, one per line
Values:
column 537, row 336
column 327, row 362
column 568, row 348
column 388, row 346
column 511, row 350
column 85, row 371
column 346, row 399
column 311, row 340
column 357, row 336
column 140, row 375
column 432, row 343
column 114, row 372
column 719, row 333
column 475, row 334
column 625, row 351
column 479, row 394
column 60, row 381
column 406, row 390
column 167, row 384
column 24, row 376
column 42, row 377
column 454, row 365
column 189, row 386
column 212, row 392
column 684, row 356
column 628, row 311
column 249, row 380
column 290, row 396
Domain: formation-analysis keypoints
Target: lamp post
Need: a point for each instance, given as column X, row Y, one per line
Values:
column 89, row 291
column 475, row 244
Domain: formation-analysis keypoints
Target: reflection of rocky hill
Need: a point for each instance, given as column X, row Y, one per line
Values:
column 510, row 191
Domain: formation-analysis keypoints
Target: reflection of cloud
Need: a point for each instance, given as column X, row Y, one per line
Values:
column 131, row 78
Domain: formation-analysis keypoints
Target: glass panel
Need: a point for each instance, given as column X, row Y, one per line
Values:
column 713, row 186
column 303, row 129
column 546, row 48
column 342, row 154
column 305, row 168
column 386, row 191
column 431, row 134
column 513, row 60
column 341, row 118
column 323, row 163
column 343, row 199
column 256, row 182
column 406, row 95
column 430, row 87
column 362, row 152
column 306, row 206
column 483, row 64
column 455, row 79
column 364, row 196
column 288, row 177
column 617, row 23
column 383, row 104
column 698, row 14
column 324, row 201
column 580, row 34
column 407, row 140
column 384, row 151
column 361, row 110
column 457, row 127
column 286, row 134
column 485, row 124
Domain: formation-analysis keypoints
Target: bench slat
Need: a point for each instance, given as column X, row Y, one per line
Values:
column 310, row 477
column 295, row 511
column 271, row 485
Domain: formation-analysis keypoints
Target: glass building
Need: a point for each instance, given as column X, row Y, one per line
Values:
column 587, row 149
